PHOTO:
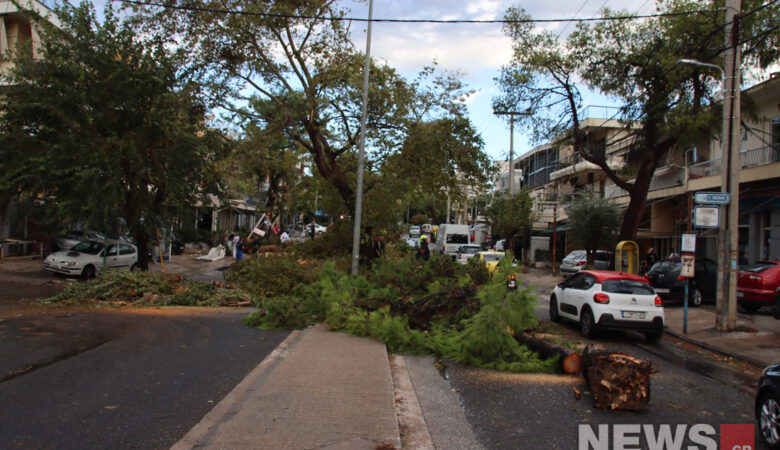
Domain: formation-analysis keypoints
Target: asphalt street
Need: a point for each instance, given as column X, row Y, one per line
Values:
column 533, row 411
column 121, row 379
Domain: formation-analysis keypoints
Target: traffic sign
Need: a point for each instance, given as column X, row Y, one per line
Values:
column 712, row 198
column 706, row 216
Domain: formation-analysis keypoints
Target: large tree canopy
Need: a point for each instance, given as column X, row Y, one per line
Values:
column 100, row 127
column 296, row 59
column 633, row 61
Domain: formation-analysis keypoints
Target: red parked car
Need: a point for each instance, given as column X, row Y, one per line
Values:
column 757, row 284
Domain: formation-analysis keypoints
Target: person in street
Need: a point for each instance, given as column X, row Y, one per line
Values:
column 651, row 258
column 424, row 252
column 238, row 248
column 284, row 237
column 379, row 246
column 236, row 240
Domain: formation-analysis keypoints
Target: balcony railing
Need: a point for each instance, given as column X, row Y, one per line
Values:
column 748, row 158
column 658, row 182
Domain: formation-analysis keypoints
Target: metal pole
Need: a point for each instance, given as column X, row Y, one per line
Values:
column 361, row 151
column 511, row 154
column 555, row 236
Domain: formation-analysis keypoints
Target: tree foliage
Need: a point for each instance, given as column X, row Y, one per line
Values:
column 508, row 215
column 634, row 61
column 101, row 126
column 593, row 221
column 297, row 60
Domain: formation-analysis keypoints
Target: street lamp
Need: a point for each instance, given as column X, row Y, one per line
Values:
column 726, row 294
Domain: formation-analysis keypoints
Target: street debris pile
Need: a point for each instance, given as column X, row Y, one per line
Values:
column 617, row 380
column 427, row 307
column 119, row 288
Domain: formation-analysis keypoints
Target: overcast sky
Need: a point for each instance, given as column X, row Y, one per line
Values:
column 477, row 50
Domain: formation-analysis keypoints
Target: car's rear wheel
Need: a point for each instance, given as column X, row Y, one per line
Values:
column 134, row 267
column 88, row 272
column 768, row 413
column 696, row 297
column 554, row 315
column 587, row 324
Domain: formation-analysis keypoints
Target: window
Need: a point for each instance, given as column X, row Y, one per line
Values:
column 457, row 239
column 125, row 249
column 627, row 287
column 112, row 250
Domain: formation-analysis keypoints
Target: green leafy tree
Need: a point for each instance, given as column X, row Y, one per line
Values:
column 633, row 61
column 594, row 222
column 508, row 215
column 298, row 60
column 101, row 127
column 262, row 162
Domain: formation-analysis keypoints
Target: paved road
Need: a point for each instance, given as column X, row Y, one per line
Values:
column 540, row 411
column 120, row 379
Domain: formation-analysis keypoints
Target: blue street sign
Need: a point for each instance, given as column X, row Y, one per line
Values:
column 712, row 198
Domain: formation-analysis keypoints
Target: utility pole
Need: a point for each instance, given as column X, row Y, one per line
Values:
column 511, row 115
column 555, row 236
column 726, row 301
column 361, row 149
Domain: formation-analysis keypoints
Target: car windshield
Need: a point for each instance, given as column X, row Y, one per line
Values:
column 665, row 266
column 627, row 287
column 88, row 247
column 759, row 266
column 470, row 250
column 492, row 258
column 576, row 254
column 457, row 239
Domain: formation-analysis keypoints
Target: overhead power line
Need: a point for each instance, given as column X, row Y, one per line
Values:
column 436, row 21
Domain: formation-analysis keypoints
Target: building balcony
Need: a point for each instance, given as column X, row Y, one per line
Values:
column 664, row 178
column 748, row 158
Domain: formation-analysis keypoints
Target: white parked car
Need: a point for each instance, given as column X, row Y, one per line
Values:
column 466, row 252
column 87, row 258
column 500, row 245
column 601, row 299
column 576, row 261
column 414, row 231
column 318, row 229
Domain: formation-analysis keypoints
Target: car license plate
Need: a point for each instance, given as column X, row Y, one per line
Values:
column 633, row 314
column 740, row 294
column 662, row 290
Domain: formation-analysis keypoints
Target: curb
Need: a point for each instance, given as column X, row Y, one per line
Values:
column 757, row 364
column 197, row 434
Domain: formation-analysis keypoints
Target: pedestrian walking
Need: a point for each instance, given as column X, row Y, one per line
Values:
column 238, row 248
column 424, row 252
column 236, row 241
column 651, row 258
column 379, row 246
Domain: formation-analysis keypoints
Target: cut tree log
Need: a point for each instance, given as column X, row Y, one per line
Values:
column 570, row 361
column 616, row 380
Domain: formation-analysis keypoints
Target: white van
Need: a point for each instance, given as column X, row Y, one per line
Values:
column 449, row 237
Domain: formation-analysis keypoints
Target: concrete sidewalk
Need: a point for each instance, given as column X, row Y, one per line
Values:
column 756, row 339
column 318, row 389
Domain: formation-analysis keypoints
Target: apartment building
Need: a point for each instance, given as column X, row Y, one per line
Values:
column 16, row 32
column 558, row 173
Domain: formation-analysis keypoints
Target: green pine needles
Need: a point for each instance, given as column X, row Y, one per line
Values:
column 433, row 307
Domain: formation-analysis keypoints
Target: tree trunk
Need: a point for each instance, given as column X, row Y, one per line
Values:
column 570, row 361
column 616, row 380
